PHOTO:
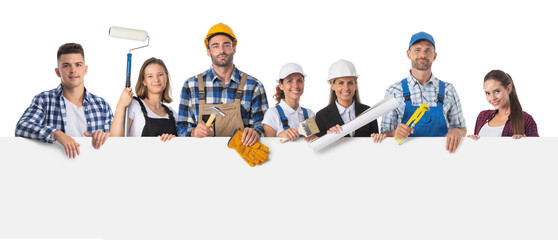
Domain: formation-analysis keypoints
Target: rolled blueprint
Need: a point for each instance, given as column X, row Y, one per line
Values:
column 383, row 107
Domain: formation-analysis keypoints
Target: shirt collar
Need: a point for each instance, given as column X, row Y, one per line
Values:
column 342, row 109
column 412, row 80
column 235, row 77
column 287, row 109
column 86, row 95
column 59, row 90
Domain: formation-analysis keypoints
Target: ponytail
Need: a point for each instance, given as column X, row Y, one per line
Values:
column 516, row 112
column 279, row 94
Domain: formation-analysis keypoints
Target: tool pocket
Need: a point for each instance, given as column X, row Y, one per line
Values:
column 426, row 120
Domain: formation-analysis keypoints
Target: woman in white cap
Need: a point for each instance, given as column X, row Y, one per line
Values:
column 283, row 119
column 344, row 102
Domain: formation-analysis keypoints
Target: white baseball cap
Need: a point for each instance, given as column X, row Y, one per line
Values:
column 341, row 68
column 289, row 69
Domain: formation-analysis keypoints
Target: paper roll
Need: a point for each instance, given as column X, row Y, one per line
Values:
column 127, row 33
column 383, row 107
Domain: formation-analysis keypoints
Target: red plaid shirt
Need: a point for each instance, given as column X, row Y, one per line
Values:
column 487, row 115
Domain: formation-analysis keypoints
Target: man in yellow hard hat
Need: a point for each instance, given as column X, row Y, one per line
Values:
column 238, row 95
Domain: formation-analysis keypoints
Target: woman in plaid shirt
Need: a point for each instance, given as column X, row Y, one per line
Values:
column 508, row 118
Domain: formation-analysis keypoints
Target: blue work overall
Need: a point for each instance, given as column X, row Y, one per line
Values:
column 433, row 122
column 285, row 120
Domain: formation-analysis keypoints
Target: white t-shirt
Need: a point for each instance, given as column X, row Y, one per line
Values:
column 272, row 118
column 488, row 131
column 138, row 120
column 76, row 124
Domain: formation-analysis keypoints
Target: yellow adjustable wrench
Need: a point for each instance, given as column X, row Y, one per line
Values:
column 416, row 117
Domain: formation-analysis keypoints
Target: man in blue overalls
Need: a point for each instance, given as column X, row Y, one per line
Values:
column 445, row 117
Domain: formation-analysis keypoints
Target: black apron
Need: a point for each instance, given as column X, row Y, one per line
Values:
column 156, row 126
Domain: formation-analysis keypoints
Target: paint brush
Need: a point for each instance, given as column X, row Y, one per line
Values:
column 306, row 129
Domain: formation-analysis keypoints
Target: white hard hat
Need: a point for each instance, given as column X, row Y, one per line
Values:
column 289, row 69
column 341, row 68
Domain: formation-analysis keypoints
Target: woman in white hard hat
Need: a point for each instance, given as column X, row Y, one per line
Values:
column 283, row 119
column 147, row 115
column 344, row 102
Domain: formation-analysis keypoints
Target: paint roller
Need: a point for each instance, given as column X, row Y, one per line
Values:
column 129, row 34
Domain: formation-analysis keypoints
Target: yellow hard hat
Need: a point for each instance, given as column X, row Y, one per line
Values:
column 219, row 28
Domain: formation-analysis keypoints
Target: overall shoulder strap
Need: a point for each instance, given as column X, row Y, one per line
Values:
column 141, row 105
column 406, row 92
column 238, row 94
column 169, row 112
column 441, row 92
column 201, row 88
column 284, row 119
column 305, row 112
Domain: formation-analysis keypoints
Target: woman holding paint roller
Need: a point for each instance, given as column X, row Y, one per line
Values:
column 508, row 118
column 148, row 115
column 344, row 102
column 283, row 120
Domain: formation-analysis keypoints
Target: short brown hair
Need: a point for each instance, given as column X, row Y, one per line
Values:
column 141, row 90
column 70, row 48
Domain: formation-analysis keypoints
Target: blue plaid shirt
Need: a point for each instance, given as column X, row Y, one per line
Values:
column 428, row 94
column 253, row 103
column 47, row 113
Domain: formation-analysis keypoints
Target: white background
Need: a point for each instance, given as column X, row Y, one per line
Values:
column 471, row 37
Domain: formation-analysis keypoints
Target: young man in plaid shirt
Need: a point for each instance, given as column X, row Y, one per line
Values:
column 68, row 110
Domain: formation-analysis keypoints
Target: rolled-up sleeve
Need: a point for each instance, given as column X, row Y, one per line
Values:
column 187, row 110
column 259, row 107
column 30, row 125
column 454, row 112
column 393, row 118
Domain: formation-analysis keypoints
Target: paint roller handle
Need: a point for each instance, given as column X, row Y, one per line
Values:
column 128, row 84
column 128, row 70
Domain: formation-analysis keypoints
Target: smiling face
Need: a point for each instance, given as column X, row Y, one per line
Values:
column 155, row 78
column 71, row 70
column 344, row 88
column 422, row 54
column 293, row 86
column 496, row 94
